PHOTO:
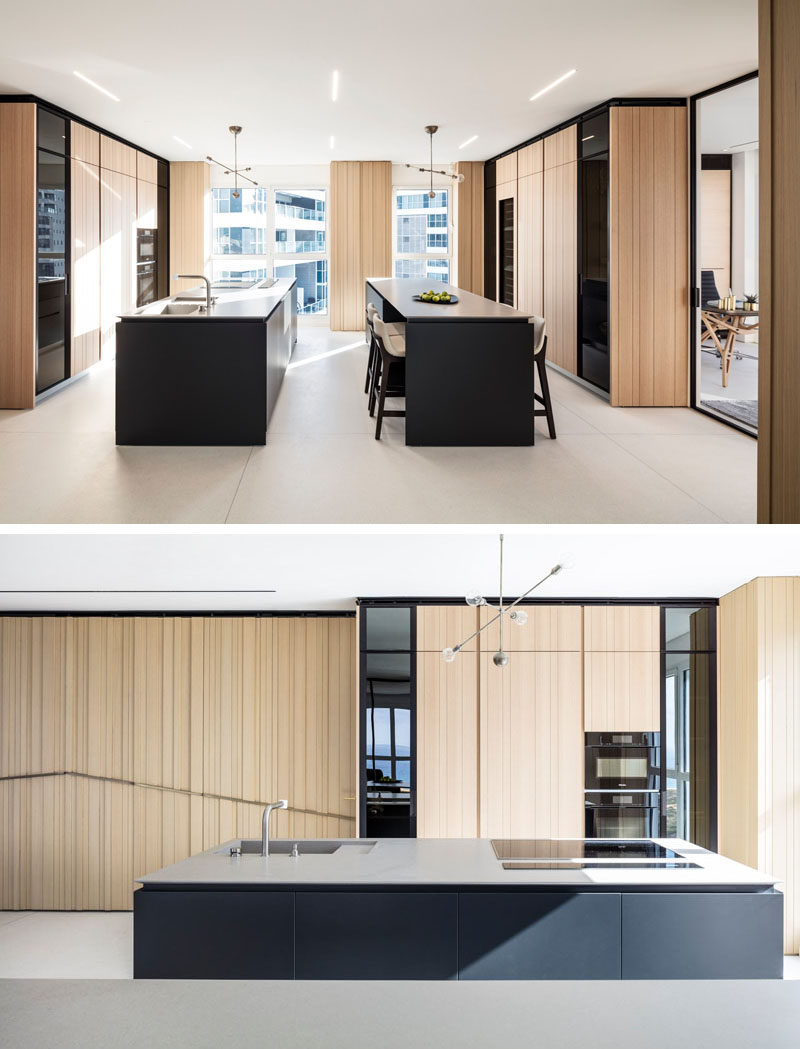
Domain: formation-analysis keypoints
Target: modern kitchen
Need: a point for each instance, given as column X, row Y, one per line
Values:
column 269, row 764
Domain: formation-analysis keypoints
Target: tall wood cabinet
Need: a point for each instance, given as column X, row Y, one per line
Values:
column 622, row 669
column 85, row 242
column 560, row 248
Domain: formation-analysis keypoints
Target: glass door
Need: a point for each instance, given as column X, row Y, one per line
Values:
column 725, row 253
column 593, row 356
column 52, row 233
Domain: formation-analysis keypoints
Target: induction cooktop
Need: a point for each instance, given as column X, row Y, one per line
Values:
column 574, row 865
column 579, row 849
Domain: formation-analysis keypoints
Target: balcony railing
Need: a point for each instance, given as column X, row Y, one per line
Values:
column 293, row 212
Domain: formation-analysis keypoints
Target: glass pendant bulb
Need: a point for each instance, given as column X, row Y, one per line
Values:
column 519, row 616
column 474, row 599
column 565, row 561
column 500, row 659
column 449, row 654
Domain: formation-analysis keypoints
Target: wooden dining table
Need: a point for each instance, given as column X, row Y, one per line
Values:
column 715, row 319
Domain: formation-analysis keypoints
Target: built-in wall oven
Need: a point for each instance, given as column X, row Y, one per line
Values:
column 623, row 789
column 146, row 266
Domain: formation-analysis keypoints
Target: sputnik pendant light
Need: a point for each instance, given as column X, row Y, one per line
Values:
column 430, row 131
column 236, row 171
column 517, row 615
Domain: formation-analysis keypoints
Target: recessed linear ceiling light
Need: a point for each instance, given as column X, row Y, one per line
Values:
column 182, row 141
column 91, row 83
column 468, row 142
column 555, row 83
column 335, row 85
column 741, row 147
column 586, row 139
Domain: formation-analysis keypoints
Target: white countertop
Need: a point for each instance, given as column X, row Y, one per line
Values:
column 438, row 862
column 229, row 303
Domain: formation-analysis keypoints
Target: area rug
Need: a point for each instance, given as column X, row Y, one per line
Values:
column 743, row 411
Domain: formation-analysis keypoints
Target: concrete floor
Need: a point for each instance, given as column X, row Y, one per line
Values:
column 321, row 464
column 94, row 946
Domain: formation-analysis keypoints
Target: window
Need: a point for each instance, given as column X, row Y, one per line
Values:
column 273, row 232
column 422, row 242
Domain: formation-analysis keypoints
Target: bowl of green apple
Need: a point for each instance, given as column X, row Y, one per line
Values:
column 437, row 298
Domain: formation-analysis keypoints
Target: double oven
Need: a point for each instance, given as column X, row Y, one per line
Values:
column 146, row 266
column 623, row 792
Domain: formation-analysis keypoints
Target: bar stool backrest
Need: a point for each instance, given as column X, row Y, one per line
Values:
column 539, row 332
column 392, row 344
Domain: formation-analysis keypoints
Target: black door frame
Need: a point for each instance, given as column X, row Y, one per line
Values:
column 694, row 298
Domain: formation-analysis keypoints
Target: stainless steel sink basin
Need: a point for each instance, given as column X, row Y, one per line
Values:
column 179, row 309
column 286, row 846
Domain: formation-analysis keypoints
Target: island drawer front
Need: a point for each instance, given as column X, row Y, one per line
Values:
column 376, row 935
column 702, row 936
column 213, row 935
column 539, row 936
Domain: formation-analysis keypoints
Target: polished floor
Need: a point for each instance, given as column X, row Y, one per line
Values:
column 94, row 946
column 321, row 464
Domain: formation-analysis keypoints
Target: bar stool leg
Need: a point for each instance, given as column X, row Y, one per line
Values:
column 385, row 369
column 541, row 367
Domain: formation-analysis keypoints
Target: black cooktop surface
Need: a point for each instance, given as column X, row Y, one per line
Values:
column 577, row 865
column 579, row 849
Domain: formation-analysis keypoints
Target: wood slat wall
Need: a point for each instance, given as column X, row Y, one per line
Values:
column 17, row 254
column 779, row 250
column 189, row 221
column 468, row 221
column 649, row 221
column 85, row 262
column 117, row 253
column 561, row 261
column 131, row 742
column 759, row 735
column 530, row 243
column 360, row 236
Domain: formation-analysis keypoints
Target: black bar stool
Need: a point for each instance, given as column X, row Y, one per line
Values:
column 372, row 359
column 386, row 379
column 539, row 358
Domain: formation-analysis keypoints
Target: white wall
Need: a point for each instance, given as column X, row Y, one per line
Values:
column 744, row 232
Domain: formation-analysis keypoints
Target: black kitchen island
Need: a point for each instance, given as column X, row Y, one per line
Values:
column 469, row 365
column 190, row 377
column 442, row 909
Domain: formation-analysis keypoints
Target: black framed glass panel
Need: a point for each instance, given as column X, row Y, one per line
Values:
column 593, row 361
column 51, row 269
column 52, row 131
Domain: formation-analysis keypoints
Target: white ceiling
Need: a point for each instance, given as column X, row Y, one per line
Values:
column 191, row 69
column 312, row 570
column 729, row 118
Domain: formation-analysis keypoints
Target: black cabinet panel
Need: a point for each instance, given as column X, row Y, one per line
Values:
column 213, row 935
column 376, row 935
column 702, row 936
column 539, row 936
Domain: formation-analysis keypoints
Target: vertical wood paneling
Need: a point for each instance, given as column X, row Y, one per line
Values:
column 84, row 143
column 442, row 626
column 117, row 253
column 189, row 221
column 116, row 156
column 560, row 281
column 360, row 236
column 530, row 243
column 17, row 254
column 561, row 148
column 468, row 221
column 173, row 732
column 550, row 628
column 507, row 168
column 85, row 264
column 759, row 735
column 530, row 159
column 625, row 628
column 447, row 746
column 531, row 746
column 649, row 245
column 779, row 251
column 621, row 691
column 146, row 168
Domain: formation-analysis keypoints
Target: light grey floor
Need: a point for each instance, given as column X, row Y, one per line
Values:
column 742, row 378
column 321, row 464
column 89, row 945
column 598, row 1014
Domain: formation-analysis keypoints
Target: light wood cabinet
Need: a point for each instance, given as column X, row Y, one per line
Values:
column 507, row 168
column 116, row 156
column 146, row 205
column 442, row 626
column 189, row 220
column 648, row 233
column 17, row 254
column 561, row 147
column 447, row 746
column 621, row 691
column 84, row 143
column 561, row 262
column 117, row 253
column 530, row 243
column 468, row 221
column 530, row 159
column 531, row 746
column 146, row 168
column 550, row 628
column 622, row 628
column 85, row 265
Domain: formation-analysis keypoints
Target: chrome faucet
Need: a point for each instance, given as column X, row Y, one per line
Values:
column 197, row 276
column 283, row 804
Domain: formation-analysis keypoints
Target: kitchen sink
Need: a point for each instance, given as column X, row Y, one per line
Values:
column 285, row 847
column 179, row 309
